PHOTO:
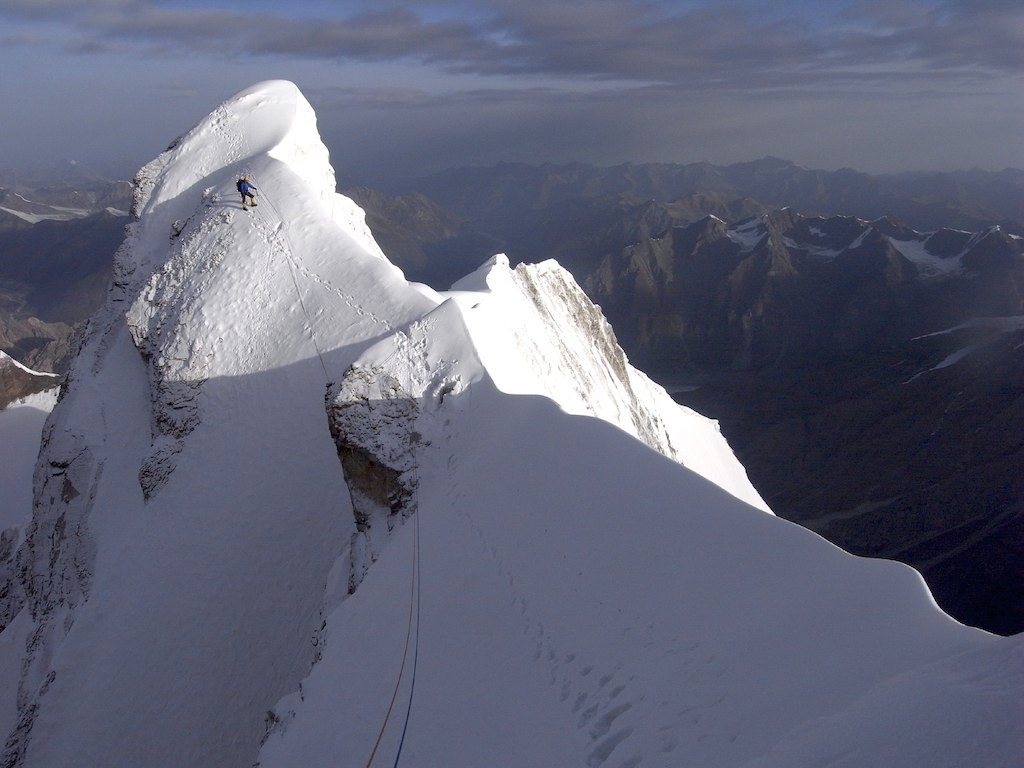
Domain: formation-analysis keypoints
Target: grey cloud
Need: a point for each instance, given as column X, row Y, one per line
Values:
column 88, row 47
column 194, row 28
column 393, row 34
column 728, row 42
column 372, row 135
column 708, row 45
column 979, row 33
column 21, row 39
column 367, row 36
column 49, row 7
column 986, row 34
column 617, row 41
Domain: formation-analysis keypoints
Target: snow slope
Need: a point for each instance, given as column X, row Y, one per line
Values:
column 21, row 425
column 577, row 599
column 555, row 564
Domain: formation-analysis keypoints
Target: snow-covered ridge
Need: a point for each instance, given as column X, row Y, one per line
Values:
column 57, row 214
column 935, row 254
column 6, row 359
column 221, row 569
column 567, row 351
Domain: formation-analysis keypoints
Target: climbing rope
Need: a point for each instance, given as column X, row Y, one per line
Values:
column 309, row 322
column 416, row 643
column 412, row 636
column 413, row 603
column 285, row 248
column 417, row 559
column 412, row 630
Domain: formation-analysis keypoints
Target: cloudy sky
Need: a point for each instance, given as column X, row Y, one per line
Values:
column 409, row 86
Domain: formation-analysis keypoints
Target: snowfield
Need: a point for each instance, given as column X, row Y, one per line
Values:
column 552, row 563
column 21, row 425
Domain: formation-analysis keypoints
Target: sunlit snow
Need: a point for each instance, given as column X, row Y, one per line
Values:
column 585, row 576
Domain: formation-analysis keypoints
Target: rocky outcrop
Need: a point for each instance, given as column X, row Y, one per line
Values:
column 12, row 591
column 590, row 355
column 17, row 381
column 158, row 320
column 372, row 418
column 708, row 296
column 55, row 566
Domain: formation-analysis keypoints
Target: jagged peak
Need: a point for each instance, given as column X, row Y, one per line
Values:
column 893, row 227
column 269, row 119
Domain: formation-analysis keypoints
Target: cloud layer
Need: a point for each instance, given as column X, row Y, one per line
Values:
column 668, row 60
column 718, row 42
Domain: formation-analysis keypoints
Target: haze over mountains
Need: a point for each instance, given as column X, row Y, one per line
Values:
column 58, row 232
column 964, row 199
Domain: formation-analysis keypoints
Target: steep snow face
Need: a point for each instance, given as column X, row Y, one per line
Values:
column 193, row 524
column 560, row 594
column 188, row 493
column 567, row 351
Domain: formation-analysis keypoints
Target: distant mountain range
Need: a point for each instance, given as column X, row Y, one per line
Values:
column 868, row 376
column 857, row 317
column 926, row 201
column 810, row 335
column 785, row 289
column 61, row 193
column 57, row 240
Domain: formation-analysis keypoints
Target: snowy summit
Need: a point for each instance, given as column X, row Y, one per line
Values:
column 292, row 510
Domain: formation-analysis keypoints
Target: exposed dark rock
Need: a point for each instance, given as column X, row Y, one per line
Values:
column 372, row 418
column 16, row 382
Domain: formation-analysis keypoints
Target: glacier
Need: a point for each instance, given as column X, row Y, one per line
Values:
column 293, row 510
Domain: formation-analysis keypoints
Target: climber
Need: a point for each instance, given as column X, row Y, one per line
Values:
column 246, row 190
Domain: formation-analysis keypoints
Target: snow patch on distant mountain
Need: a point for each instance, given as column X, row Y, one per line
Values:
column 6, row 359
column 1000, row 324
column 749, row 234
column 936, row 255
column 917, row 252
column 996, row 325
column 54, row 214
